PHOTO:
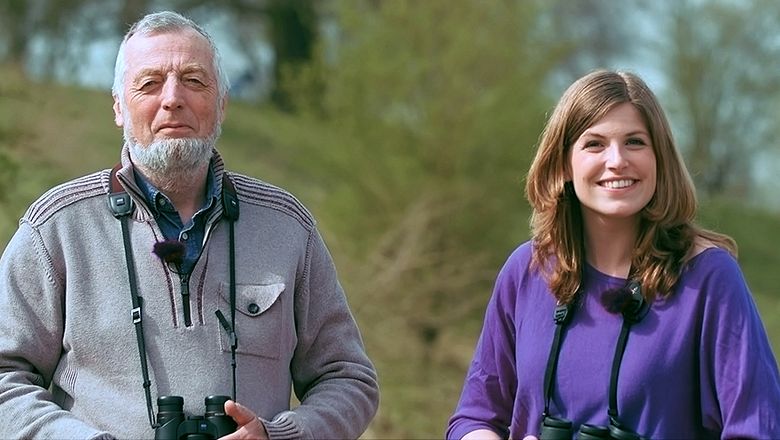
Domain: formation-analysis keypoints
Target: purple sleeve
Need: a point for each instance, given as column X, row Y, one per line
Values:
column 738, row 373
column 488, row 392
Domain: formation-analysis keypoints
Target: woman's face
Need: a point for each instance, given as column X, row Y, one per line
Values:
column 613, row 166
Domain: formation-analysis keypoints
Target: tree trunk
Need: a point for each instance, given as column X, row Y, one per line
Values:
column 293, row 32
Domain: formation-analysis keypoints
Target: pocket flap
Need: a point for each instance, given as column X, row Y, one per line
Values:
column 253, row 299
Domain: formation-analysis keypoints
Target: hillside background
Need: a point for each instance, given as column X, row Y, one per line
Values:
column 407, row 128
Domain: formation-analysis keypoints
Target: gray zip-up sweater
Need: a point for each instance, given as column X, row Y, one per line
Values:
column 69, row 361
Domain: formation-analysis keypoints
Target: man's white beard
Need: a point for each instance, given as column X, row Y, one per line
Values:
column 170, row 163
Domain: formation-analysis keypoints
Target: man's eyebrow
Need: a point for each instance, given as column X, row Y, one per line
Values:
column 194, row 68
column 189, row 68
column 147, row 72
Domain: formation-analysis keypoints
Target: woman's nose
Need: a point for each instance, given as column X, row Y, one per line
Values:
column 616, row 156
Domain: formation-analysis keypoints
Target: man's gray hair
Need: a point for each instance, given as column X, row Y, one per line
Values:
column 162, row 22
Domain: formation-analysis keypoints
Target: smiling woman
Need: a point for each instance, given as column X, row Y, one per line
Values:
column 615, row 252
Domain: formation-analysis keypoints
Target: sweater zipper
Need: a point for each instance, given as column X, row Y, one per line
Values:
column 185, row 281
column 185, row 299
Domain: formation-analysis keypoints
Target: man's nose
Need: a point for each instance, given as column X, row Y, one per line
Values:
column 172, row 97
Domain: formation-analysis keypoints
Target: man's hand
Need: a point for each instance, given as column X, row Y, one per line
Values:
column 249, row 426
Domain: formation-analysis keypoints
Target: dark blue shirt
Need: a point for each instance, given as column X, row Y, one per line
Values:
column 192, row 234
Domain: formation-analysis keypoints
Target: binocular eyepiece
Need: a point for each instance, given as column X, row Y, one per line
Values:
column 172, row 424
column 556, row 428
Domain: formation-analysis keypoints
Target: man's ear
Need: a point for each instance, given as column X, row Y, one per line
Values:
column 118, row 119
column 223, row 106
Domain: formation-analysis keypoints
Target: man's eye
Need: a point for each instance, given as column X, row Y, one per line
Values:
column 196, row 81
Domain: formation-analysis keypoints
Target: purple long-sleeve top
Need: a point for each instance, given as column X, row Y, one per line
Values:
column 699, row 365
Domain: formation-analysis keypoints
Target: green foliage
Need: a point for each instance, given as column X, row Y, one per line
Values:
column 420, row 97
column 9, row 135
column 8, row 173
column 44, row 133
column 8, row 170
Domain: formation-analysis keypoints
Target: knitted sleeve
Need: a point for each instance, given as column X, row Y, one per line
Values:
column 31, row 332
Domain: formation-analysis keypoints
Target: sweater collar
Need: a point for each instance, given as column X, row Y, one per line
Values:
column 144, row 212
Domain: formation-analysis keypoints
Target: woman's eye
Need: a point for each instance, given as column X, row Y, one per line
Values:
column 592, row 144
column 636, row 141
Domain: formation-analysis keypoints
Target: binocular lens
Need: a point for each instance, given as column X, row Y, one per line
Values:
column 215, row 405
column 554, row 428
column 169, row 408
column 170, row 403
column 593, row 432
column 617, row 432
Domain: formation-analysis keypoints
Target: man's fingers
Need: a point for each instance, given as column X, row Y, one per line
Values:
column 241, row 414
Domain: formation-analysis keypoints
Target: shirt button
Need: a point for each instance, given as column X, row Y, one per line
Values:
column 184, row 236
column 253, row 308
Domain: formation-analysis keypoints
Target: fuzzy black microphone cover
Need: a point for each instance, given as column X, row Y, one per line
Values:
column 170, row 251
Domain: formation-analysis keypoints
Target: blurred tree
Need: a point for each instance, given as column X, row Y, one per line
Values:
column 293, row 35
column 64, row 24
column 50, row 38
column 433, row 114
column 67, row 27
column 8, row 171
column 14, row 28
column 129, row 12
column 587, row 34
column 721, row 58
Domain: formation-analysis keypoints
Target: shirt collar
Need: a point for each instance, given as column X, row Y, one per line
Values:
column 157, row 201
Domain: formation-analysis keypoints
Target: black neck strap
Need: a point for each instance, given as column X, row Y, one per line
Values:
column 562, row 315
column 620, row 348
column 122, row 206
column 230, row 208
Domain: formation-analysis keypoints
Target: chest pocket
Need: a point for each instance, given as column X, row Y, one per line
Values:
column 258, row 319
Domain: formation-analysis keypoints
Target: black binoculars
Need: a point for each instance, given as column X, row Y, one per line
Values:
column 173, row 425
column 555, row 428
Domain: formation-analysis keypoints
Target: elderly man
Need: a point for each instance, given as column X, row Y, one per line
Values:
column 169, row 276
